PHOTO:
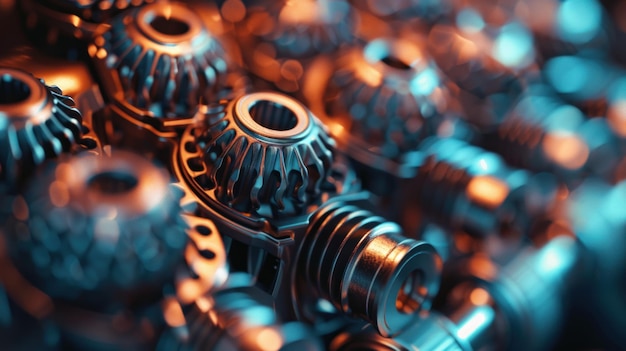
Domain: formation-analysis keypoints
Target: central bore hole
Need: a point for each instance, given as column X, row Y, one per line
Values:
column 395, row 62
column 273, row 116
column 114, row 182
column 169, row 26
column 12, row 90
column 410, row 296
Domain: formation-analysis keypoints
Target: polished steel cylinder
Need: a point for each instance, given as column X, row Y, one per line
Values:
column 463, row 187
column 367, row 268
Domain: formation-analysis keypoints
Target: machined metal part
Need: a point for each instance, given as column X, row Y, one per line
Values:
column 382, row 98
column 238, row 316
column 280, row 245
column 160, row 62
column 518, row 306
column 37, row 122
column 463, row 187
column 472, row 49
column 542, row 133
column 364, row 265
column 262, row 153
column 95, row 226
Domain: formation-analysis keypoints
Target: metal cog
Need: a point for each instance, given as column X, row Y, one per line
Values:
column 266, row 153
column 160, row 58
column 385, row 93
column 37, row 122
column 96, row 227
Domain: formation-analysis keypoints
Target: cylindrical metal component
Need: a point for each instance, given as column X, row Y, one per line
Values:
column 97, row 227
column 463, row 187
column 365, row 267
column 160, row 59
column 37, row 122
column 543, row 134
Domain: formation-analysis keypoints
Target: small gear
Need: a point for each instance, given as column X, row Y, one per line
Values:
column 161, row 59
column 37, row 122
column 263, row 153
column 95, row 227
column 385, row 94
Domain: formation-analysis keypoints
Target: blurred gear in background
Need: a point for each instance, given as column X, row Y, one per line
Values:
column 312, row 175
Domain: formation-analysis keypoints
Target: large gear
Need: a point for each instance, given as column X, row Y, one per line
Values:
column 265, row 153
column 385, row 94
column 160, row 59
column 37, row 122
column 96, row 227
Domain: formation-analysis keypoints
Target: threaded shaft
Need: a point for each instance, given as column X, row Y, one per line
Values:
column 463, row 187
column 366, row 267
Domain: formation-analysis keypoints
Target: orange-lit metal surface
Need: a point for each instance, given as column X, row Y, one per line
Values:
column 312, row 175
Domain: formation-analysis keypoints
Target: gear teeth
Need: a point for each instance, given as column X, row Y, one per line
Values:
column 163, row 58
column 37, row 122
column 95, row 227
column 265, row 149
column 385, row 93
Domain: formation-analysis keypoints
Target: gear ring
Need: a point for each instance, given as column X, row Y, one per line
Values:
column 37, row 122
column 160, row 60
column 376, row 90
column 262, row 153
column 96, row 227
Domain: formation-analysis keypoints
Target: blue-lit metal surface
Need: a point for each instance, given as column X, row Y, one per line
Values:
column 312, row 175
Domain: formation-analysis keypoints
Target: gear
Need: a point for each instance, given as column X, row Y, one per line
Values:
column 264, row 153
column 385, row 94
column 96, row 11
column 37, row 122
column 96, row 227
column 162, row 59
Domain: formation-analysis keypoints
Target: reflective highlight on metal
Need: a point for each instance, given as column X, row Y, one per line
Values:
column 160, row 59
column 265, row 153
column 94, row 226
column 463, row 187
column 382, row 97
column 37, row 122
column 519, row 307
column 366, row 267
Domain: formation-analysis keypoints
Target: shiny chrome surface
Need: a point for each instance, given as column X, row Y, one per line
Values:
column 461, row 190
column 160, row 58
column 37, row 122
